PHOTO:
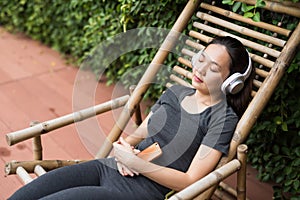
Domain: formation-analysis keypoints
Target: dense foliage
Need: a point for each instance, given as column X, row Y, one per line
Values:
column 76, row 27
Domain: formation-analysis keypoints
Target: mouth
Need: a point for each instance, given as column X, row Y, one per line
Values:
column 197, row 79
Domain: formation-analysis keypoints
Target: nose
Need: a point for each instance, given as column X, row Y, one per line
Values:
column 201, row 68
column 200, row 63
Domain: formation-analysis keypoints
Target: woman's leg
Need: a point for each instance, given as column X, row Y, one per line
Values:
column 84, row 174
column 87, row 192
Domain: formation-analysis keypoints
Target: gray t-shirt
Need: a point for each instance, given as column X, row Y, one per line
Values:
column 180, row 133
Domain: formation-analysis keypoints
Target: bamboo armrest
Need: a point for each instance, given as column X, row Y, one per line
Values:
column 216, row 176
column 47, row 126
column 11, row 167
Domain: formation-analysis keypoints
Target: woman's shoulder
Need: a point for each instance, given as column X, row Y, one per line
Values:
column 180, row 89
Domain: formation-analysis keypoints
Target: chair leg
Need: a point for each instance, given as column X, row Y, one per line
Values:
column 37, row 144
column 241, row 175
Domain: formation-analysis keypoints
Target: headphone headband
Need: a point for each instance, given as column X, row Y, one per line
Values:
column 247, row 73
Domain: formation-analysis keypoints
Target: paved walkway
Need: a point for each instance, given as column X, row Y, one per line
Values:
column 37, row 84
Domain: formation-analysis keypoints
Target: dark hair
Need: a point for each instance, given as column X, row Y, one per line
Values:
column 239, row 63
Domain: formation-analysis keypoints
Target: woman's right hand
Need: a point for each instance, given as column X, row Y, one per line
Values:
column 124, row 170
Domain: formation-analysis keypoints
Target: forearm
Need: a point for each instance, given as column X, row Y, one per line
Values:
column 168, row 177
column 133, row 139
column 203, row 163
column 139, row 134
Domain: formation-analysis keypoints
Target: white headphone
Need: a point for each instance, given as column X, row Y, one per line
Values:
column 235, row 83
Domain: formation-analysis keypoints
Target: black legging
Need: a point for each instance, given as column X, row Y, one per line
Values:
column 89, row 180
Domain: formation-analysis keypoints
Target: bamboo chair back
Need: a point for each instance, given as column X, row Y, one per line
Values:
column 272, row 49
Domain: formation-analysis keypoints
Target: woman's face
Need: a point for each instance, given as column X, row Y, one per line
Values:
column 210, row 69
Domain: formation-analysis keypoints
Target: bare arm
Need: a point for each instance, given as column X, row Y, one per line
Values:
column 140, row 133
column 204, row 162
column 132, row 140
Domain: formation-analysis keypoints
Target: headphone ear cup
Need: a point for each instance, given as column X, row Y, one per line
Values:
column 236, row 86
column 233, row 84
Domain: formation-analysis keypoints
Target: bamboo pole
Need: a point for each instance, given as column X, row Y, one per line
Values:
column 23, row 175
column 168, row 85
column 137, row 113
column 276, row 7
column 11, row 167
column 185, row 62
column 37, row 148
column 148, row 76
column 261, row 99
column 288, row 3
column 240, row 29
column 179, row 81
column 257, row 83
column 241, row 174
column 249, row 21
column 183, row 72
column 261, row 73
column 223, row 195
column 228, row 189
column 194, row 44
column 219, row 32
column 211, row 179
column 199, row 36
column 187, row 52
column 37, row 144
column 45, row 127
column 263, row 61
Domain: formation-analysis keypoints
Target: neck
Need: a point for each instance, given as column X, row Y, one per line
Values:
column 207, row 99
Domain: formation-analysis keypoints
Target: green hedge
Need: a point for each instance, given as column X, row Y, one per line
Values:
column 76, row 27
column 275, row 139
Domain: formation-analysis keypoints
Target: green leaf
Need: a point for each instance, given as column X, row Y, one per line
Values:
column 275, row 149
column 260, row 3
column 285, row 150
column 246, row 8
column 288, row 170
column 289, row 182
column 256, row 17
column 279, row 179
column 266, row 178
column 278, row 120
column 228, row 2
column 284, row 126
column 267, row 156
column 295, row 198
column 236, row 6
column 297, row 151
column 296, row 162
column 248, row 14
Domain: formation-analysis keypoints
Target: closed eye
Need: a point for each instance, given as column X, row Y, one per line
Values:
column 214, row 67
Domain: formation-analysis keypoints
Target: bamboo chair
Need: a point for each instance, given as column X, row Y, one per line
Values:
column 272, row 49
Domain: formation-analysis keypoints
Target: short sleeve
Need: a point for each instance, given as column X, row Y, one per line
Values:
column 220, row 130
column 172, row 96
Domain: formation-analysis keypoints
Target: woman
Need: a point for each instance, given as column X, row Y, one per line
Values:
column 193, row 126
